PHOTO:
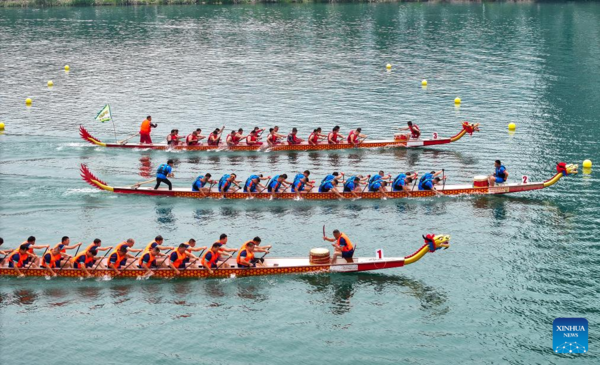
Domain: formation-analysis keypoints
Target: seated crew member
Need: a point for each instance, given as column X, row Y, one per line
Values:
column 222, row 242
column 355, row 137
column 429, row 180
column 415, row 132
column 214, row 138
column 234, row 138
column 85, row 260
column 334, row 137
column 211, row 257
column 158, row 242
column 329, row 185
column 257, row 248
column 300, row 181
column 245, row 257
column 64, row 245
column 148, row 260
column 145, row 130
column 129, row 243
column 378, row 186
column 193, row 139
column 191, row 246
column 380, row 176
column 19, row 259
column 173, row 138
column 96, row 245
column 352, row 185
column 163, row 172
column 199, row 184
column 500, row 175
column 252, row 183
column 51, row 260
column 315, row 137
column 292, row 138
column 402, row 182
column 225, row 183
column 31, row 245
column 252, row 139
column 180, row 258
column 343, row 246
column 258, row 131
column 118, row 259
column 273, row 137
column 276, row 183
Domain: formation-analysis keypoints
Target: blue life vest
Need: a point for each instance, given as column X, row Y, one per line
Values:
column 326, row 180
column 398, row 182
column 326, row 186
column 349, row 185
column 163, row 171
column 426, row 182
column 375, row 178
column 274, row 184
column 299, row 183
column 223, row 184
column 375, row 185
column 198, row 184
column 250, row 184
column 329, row 178
column 501, row 172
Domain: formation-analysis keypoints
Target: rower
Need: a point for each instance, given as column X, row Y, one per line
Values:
column 415, row 132
column 148, row 260
column 429, row 180
column 193, row 139
column 163, row 172
column 30, row 243
column 210, row 258
column 292, row 138
column 191, row 246
column 252, row 139
column 179, row 258
column 226, row 181
column 380, row 176
column 315, row 137
column 64, row 244
column 158, row 242
column 402, row 182
column 95, row 245
column 118, row 259
column 257, row 248
column 245, row 258
column 252, row 183
column 329, row 185
column 145, row 130
column 258, row 131
column 52, row 259
column 378, row 186
column 173, row 138
column 85, row 260
column 300, row 181
column 273, row 137
column 223, row 250
column 200, row 183
column 234, row 138
column 500, row 175
column 352, row 185
column 127, row 244
column 277, row 182
column 355, row 137
column 334, row 137
column 214, row 137
column 343, row 246
column 19, row 259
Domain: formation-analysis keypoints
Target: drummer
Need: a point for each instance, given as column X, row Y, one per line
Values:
column 500, row 175
column 343, row 246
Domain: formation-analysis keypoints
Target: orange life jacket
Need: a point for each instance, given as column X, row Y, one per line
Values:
column 249, row 256
column 30, row 250
column 145, row 128
column 212, row 261
column 152, row 258
column 247, row 242
column 148, row 247
column 180, row 258
column 93, row 245
column 120, row 257
column 22, row 258
column 53, row 259
column 349, row 246
column 88, row 259
column 63, row 250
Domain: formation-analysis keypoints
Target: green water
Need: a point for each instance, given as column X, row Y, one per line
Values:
column 516, row 262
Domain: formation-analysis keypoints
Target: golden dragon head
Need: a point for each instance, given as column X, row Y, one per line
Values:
column 437, row 241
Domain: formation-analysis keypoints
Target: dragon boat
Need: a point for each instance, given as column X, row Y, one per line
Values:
column 400, row 141
column 271, row 266
column 478, row 187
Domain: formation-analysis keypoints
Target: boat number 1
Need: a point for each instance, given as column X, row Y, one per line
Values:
column 379, row 253
column 435, row 135
column 525, row 179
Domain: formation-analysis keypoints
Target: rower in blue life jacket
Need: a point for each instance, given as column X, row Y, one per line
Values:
column 164, row 171
column 499, row 176
column 225, row 183
column 199, row 184
column 380, row 176
column 329, row 185
column 378, row 185
column 301, row 183
column 403, row 182
column 352, row 185
column 429, row 180
column 278, row 185
column 253, row 183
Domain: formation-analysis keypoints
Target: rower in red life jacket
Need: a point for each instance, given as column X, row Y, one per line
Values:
column 343, row 246
column 292, row 138
column 234, row 138
column 211, row 257
column 415, row 132
column 193, row 139
column 173, row 138
column 118, row 259
column 85, row 260
column 315, row 137
column 355, row 137
column 180, row 258
column 252, row 139
column 213, row 138
column 334, row 137
column 19, row 259
column 500, row 175
column 274, row 136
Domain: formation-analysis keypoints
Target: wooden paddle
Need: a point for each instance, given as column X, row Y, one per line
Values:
column 46, row 250
column 137, row 185
column 222, row 263
column 134, row 257
column 64, row 263
column 100, row 261
column 127, row 139
column 444, row 179
column 166, row 257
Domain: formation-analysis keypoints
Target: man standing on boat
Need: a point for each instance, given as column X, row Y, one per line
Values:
column 164, row 171
column 343, row 246
column 145, row 130
column 500, row 175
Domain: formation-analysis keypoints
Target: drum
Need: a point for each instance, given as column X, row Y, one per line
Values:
column 480, row 181
column 319, row 256
column 400, row 137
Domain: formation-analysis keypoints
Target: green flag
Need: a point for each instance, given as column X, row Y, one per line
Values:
column 104, row 114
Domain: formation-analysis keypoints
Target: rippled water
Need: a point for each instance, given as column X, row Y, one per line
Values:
column 516, row 262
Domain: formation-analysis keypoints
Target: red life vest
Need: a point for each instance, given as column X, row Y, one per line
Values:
column 314, row 138
column 272, row 138
column 191, row 140
column 53, row 259
column 251, row 139
column 332, row 136
column 349, row 246
column 213, row 140
column 352, row 137
column 414, row 130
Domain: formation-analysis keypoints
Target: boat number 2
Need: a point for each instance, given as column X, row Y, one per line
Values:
column 525, row 179
column 435, row 135
column 379, row 253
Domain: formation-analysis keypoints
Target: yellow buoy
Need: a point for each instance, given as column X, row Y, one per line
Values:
column 67, row 68
column 587, row 164
column 512, row 126
column 388, row 66
column 28, row 101
column 1, row 126
column 424, row 83
column 50, row 83
column 457, row 101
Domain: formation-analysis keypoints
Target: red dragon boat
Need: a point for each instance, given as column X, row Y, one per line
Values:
column 478, row 187
column 399, row 142
column 272, row 266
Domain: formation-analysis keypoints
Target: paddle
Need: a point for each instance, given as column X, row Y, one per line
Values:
column 220, row 134
column 266, row 186
column 127, row 139
column 166, row 257
column 125, row 268
column 64, row 263
column 222, row 263
column 46, row 250
column 137, row 185
column 99, row 262
column 444, row 179
column 191, row 262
